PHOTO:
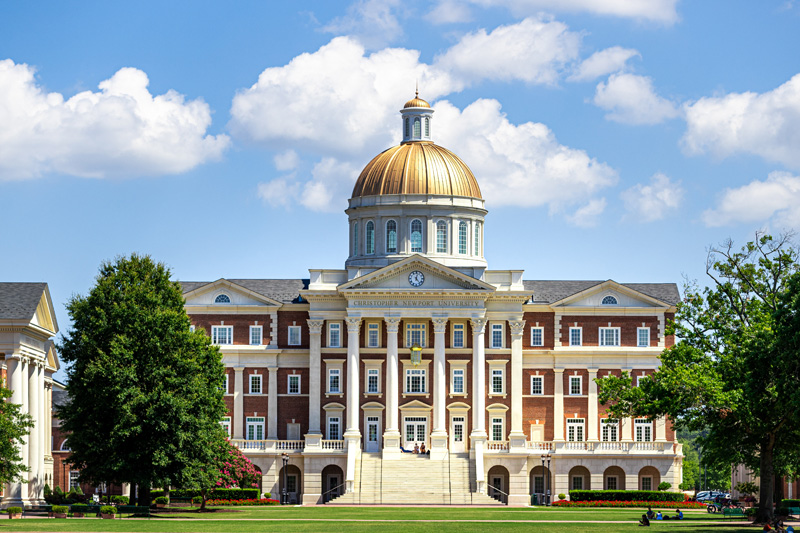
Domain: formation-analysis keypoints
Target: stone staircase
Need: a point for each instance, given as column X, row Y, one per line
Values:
column 415, row 480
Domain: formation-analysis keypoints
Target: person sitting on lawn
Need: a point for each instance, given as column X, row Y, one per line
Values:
column 650, row 513
column 658, row 516
column 644, row 521
column 678, row 514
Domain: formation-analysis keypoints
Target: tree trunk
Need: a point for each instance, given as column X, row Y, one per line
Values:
column 144, row 495
column 766, row 490
column 778, row 491
column 203, row 494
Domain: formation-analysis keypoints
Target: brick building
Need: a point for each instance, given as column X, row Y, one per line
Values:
column 323, row 372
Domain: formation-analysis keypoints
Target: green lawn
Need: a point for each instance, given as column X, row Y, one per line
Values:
column 385, row 519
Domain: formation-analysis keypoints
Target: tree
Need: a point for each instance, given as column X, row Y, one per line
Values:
column 144, row 392
column 14, row 426
column 735, row 369
column 231, row 469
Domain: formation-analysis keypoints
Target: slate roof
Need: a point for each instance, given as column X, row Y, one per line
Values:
column 18, row 301
column 283, row 290
column 549, row 291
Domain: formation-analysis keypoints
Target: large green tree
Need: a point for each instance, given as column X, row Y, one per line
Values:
column 14, row 427
column 144, row 392
column 734, row 370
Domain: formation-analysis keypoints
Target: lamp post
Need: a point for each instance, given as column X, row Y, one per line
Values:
column 285, row 492
column 545, row 478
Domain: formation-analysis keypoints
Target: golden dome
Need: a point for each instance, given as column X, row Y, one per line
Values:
column 416, row 102
column 417, row 168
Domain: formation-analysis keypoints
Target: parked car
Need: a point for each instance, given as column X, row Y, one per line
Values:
column 708, row 495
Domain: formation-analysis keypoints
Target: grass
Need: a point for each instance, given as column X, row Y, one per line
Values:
column 385, row 519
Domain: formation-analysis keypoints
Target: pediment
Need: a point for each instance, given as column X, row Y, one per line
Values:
column 416, row 405
column 52, row 357
column 208, row 294
column 44, row 316
column 605, row 294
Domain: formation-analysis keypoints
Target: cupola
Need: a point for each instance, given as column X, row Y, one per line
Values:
column 416, row 116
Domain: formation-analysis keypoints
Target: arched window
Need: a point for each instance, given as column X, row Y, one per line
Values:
column 477, row 238
column 370, row 233
column 407, row 130
column 441, row 237
column 427, row 127
column 416, row 237
column 462, row 238
column 222, row 299
column 391, row 237
column 609, row 300
column 417, row 127
column 355, row 238
column 65, row 446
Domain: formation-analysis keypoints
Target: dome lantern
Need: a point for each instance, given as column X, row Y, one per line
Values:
column 416, row 119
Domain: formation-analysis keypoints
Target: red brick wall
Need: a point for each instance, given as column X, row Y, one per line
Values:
column 241, row 325
column 591, row 328
column 669, row 340
column 546, row 321
column 295, row 318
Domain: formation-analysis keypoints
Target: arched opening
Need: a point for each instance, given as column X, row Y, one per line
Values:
column 609, row 300
column 614, row 478
column 498, row 483
column 649, row 478
column 427, row 127
column 417, row 128
column 222, row 299
column 441, row 237
column 259, row 480
column 579, row 478
column 541, row 481
column 416, row 236
column 293, row 483
column 370, row 238
column 332, row 482
column 462, row 238
column 391, row 237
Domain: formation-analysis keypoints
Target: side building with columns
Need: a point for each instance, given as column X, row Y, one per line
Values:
column 334, row 379
column 28, row 361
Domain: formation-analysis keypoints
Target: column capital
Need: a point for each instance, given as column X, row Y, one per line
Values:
column 439, row 325
column 315, row 326
column 478, row 324
column 392, row 324
column 558, row 370
column 238, row 369
column 272, row 369
column 353, row 324
column 517, row 327
column 592, row 370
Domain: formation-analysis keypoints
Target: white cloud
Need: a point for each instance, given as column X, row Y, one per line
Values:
column 587, row 215
column 373, row 22
column 777, row 199
column 449, row 12
column 766, row 125
column 603, row 62
column 631, row 99
column 281, row 191
column 331, row 185
column 286, row 160
column 662, row 11
column 121, row 130
column 533, row 50
column 653, row 202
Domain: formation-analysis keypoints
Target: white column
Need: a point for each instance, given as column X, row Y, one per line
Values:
column 661, row 429
column 592, row 433
column 352, row 435
column 238, row 402
column 272, row 404
column 439, row 433
column 558, row 405
column 391, row 436
column 34, row 450
column 40, row 433
column 315, row 376
column 478, row 378
column 13, row 497
column 24, row 379
column 516, row 436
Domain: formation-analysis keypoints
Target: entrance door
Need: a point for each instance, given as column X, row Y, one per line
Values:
column 332, row 489
column 416, row 431
column 373, row 429
column 457, row 430
column 497, row 483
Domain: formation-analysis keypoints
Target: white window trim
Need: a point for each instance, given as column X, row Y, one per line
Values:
column 366, row 237
column 616, row 300
column 260, row 384
column 580, row 330
column 502, row 335
column 492, row 418
column 373, row 364
column 407, row 372
column 580, row 383
column 334, row 325
column 215, row 335
column 604, row 422
column 540, row 329
column 260, row 330
column 334, row 364
column 424, row 365
column 421, row 236
column 289, row 384
column 396, row 236
column 299, row 336
column 226, row 385
column 497, row 365
column 338, row 373
column 225, row 294
column 376, row 325
column 650, row 479
column 601, row 338
column 502, row 373
column 330, row 419
column 423, row 335
column 576, row 423
column 642, row 423
column 458, row 365
column 638, row 340
column 254, row 421
column 537, row 378
column 463, row 326
column 226, row 424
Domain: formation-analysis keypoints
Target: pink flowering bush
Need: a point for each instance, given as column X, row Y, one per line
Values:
column 236, row 470
column 641, row 504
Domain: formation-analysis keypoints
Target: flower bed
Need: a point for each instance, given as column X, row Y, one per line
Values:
column 640, row 504
column 252, row 501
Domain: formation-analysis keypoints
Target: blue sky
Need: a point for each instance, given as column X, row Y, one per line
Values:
column 611, row 138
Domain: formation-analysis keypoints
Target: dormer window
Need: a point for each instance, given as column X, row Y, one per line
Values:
column 222, row 299
column 609, row 300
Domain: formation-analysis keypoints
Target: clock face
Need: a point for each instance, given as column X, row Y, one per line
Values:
column 416, row 278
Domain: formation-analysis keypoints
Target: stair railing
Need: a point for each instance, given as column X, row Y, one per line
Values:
column 331, row 490
column 503, row 495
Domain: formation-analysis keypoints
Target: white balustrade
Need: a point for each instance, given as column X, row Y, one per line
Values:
column 540, row 446
column 497, row 445
column 648, row 447
column 285, row 445
column 333, row 444
column 267, row 446
column 613, row 446
column 579, row 446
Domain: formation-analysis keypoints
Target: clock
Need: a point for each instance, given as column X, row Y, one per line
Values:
column 416, row 278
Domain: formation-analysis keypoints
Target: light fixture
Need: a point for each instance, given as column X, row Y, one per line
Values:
column 416, row 354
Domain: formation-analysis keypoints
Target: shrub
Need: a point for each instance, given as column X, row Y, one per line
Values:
column 217, row 494
column 625, row 495
column 562, row 496
column 60, row 509
column 629, row 504
column 78, row 508
column 162, row 500
column 108, row 509
column 664, row 486
column 747, row 487
column 267, row 495
column 47, row 490
column 782, row 511
column 120, row 500
column 750, row 512
column 790, row 503
column 237, row 503
column 14, row 510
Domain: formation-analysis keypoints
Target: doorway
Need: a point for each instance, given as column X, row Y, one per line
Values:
column 457, row 431
column 416, row 431
column 373, row 430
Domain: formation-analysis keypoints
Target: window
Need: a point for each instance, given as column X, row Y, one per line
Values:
column 537, row 336
column 417, row 128
column 255, row 428
column 609, row 430
column 537, row 385
column 643, row 337
column 497, row 336
column 334, row 335
column 415, row 334
column 294, row 384
column 391, row 237
column 373, row 335
column 191, row 329
column 416, row 237
column 256, row 335
column 291, row 484
column 497, row 429
column 611, row 483
column 333, row 428
column 415, row 380
column 575, row 336
column 575, row 388
column 370, row 244
column 255, row 384
column 441, row 237
column 538, row 484
column 73, row 479
column 458, row 336
column 609, row 300
column 294, row 335
column 334, row 376
column 372, row 380
column 575, row 429
column 222, row 299
column 647, row 483
column 609, row 336
column 497, row 381
column 458, row 381
column 222, row 334
column 477, row 238
column 644, row 430
column 577, row 483
column 65, row 446
column 462, row 238
column 427, row 127
column 355, row 238
column 407, row 128
column 226, row 425
column 225, row 388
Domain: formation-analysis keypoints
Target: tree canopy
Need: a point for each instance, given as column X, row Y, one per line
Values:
column 144, row 392
column 14, row 426
column 734, row 370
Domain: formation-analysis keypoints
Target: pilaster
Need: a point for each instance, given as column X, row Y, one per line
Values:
column 516, row 437
column 592, row 434
column 478, row 379
column 238, row 402
column 558, row 405
column 391, row 435
column 272, row 403
column 439, row 433
column 315, row 375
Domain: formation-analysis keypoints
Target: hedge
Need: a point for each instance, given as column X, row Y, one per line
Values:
column 790, row 503
column 217, row 494
column 628, row 504
column 625, row 495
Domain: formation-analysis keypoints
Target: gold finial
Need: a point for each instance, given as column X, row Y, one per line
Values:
column 416, row 89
